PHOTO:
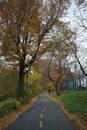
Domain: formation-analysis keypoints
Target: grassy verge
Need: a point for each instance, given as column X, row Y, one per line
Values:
column 75, row 102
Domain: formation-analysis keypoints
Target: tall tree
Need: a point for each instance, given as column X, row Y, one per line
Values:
column 57, row 70
column 81, row 29
column 24, row 25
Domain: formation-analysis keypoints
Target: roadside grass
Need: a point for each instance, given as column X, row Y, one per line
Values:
column 75, row 102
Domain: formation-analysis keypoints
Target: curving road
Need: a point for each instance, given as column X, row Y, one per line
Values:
column 43, row 115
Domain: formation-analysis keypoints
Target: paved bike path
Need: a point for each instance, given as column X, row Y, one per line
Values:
column 43, row 115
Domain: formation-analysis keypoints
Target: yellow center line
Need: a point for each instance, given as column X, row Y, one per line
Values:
column 41, row 124
column 41, row 115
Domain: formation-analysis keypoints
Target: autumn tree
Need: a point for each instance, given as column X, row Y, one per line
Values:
column 41, row 66
column 57, row 70
column 8, row 82
column 34, row 83
column 80, row 14
column 24, row 25
column 82, row 5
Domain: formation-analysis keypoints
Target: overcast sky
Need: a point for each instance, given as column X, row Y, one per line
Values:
column 75, row 23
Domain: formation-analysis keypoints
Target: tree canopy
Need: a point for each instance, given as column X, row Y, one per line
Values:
column 24, row 25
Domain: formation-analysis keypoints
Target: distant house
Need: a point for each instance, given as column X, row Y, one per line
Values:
column 71, row 83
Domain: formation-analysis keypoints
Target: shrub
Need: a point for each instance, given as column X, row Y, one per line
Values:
column 26, row 98
column 36, row 90
column 8, row 106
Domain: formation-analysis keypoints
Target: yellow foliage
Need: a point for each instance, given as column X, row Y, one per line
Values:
column 33, row 78
column 51, row 85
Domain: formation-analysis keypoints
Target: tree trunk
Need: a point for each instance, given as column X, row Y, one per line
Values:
column 57, row 89
column 21, row 82
column 27, row 80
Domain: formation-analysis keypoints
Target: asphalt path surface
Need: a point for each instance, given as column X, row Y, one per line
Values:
column 43, row 115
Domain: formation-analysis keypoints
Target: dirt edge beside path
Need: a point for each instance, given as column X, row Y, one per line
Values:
column 76, row 119
column 11, row 117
